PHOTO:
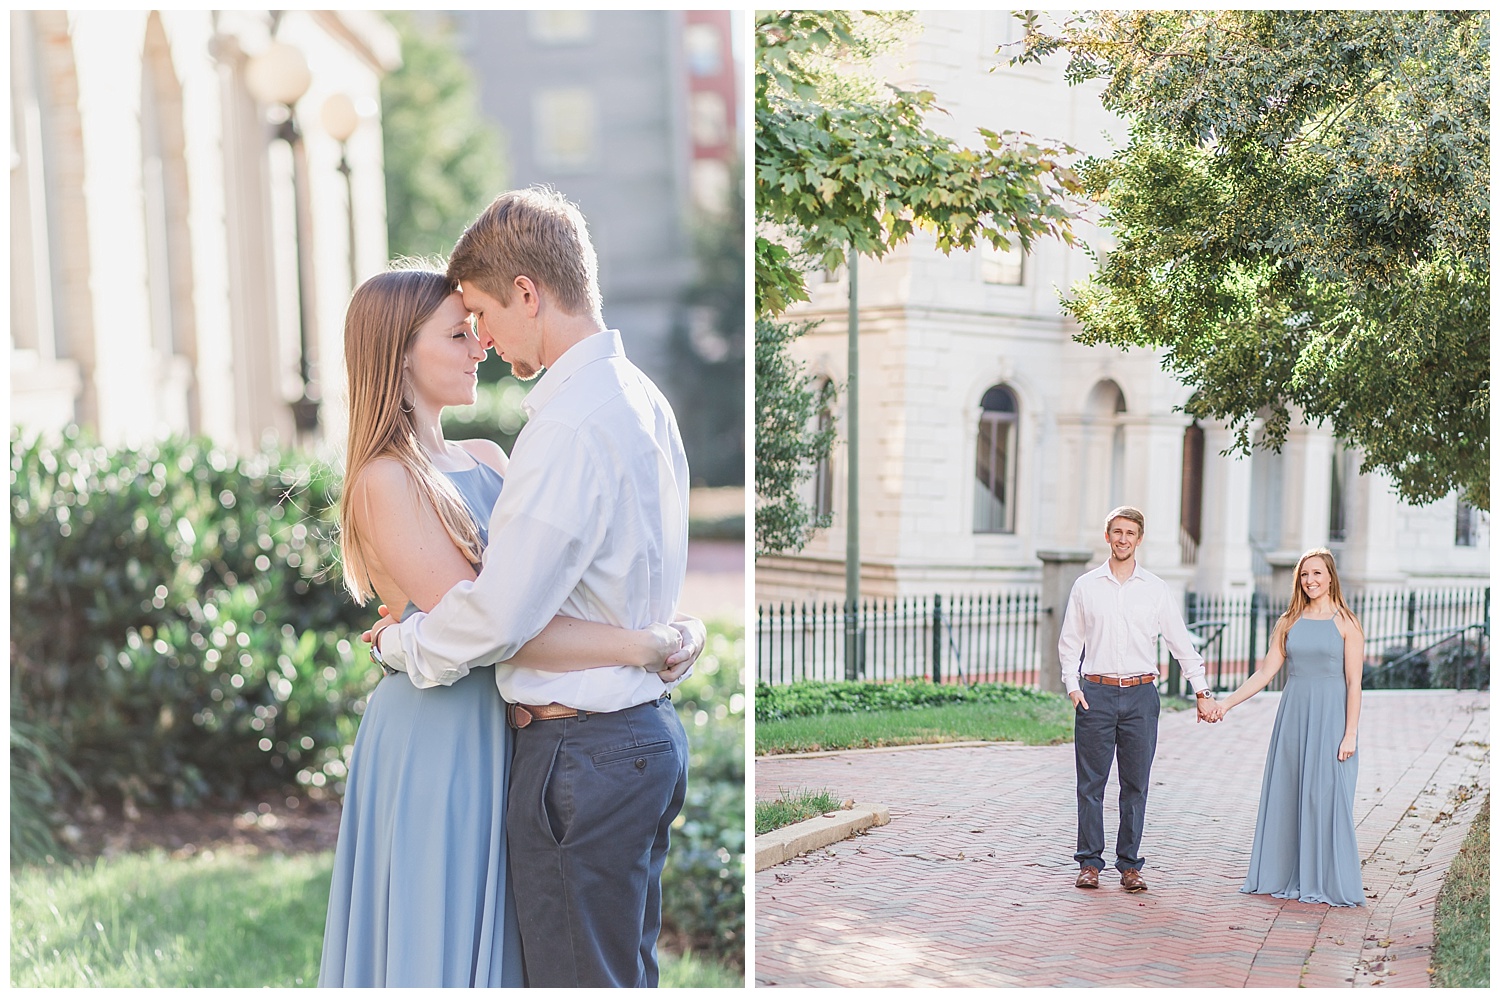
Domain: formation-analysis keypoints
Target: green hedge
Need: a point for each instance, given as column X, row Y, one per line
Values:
column 703, row 883
column 808, row 698
column 179, row 633
column 176, row 619
column 1440, row 668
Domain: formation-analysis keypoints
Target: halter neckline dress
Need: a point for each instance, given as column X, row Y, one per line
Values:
column 421, row 895
column 1305, row 846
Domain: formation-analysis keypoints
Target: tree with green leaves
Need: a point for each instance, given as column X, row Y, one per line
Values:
column 443, row 161
column 788, row 443
column 708, row 341
column 1302, row 222
column 844, row 162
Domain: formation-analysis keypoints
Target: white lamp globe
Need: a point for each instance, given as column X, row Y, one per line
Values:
column 339, row 117
column 279, row 75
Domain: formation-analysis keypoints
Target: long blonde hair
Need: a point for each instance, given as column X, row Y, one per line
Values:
column 1299, row 602
column 384, row 316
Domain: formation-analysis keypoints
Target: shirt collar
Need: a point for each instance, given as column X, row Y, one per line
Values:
column 1103, row 571
column 600, row 346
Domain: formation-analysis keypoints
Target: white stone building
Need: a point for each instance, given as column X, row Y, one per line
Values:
column 988, row 434
column 155, row 232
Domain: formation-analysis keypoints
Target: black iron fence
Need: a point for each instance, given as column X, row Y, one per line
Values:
column 987, row 638
column 1235, row 629
column 1412, row 637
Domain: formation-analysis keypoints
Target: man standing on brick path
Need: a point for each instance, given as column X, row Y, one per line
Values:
column 1107, row 648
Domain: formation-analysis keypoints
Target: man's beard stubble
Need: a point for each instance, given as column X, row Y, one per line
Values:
column 523, row 371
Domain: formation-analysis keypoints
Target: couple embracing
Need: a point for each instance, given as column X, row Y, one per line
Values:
column 519, row 766
column 1304, row 845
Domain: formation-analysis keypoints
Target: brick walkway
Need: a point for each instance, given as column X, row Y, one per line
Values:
column 972, row 881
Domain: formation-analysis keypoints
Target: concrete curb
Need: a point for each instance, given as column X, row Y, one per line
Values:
column 815, row 833
column 924, row 746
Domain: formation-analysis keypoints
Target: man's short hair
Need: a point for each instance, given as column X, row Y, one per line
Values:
column 536, row 233
column 1129, row 513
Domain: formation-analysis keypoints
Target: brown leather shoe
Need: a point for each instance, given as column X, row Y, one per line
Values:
column 1087, row 877
column 1132, row 880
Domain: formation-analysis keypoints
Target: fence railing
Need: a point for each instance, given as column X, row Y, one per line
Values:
column 1394, row 622
column 993, row 637
column 988, row 638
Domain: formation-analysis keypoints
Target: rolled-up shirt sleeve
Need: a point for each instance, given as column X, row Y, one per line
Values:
column 1179, row 642
column 547, row 525
column 1070, row 640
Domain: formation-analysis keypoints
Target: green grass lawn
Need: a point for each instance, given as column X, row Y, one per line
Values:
column 213, row 920
column 1461, row 954
column 1041, row 722
column 790, row 808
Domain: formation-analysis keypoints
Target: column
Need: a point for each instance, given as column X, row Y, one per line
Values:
column 1224, row 563
column 1153, row 456
column 1369, row 557
column 1060, row 569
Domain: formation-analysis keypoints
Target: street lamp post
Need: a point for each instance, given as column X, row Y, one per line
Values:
column 278, row 77
column 852, row 643
column 340, row 119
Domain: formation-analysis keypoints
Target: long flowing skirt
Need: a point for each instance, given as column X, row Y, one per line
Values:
column 1305, row 847
column 421, row 895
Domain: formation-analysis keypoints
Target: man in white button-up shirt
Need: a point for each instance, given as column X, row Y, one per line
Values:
column 592, row 523
column 1107, row 648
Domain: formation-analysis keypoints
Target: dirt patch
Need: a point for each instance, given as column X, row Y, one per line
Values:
column 277, row 825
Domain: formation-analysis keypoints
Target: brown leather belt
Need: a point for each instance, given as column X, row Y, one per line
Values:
column 1127, row 681
column 518, row 715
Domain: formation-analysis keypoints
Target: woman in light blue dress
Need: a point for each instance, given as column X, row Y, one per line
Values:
column 1305, row 847
column 421, row 895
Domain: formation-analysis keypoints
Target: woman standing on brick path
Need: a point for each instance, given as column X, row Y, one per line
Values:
column 1305, row 847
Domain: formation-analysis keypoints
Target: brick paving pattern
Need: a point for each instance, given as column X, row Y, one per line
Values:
column 972, row 881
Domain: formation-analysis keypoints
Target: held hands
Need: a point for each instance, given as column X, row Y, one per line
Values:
column 1346, row 747
column 693, row 636
column 1211, row 710
column 666, row 644
column 372, row 636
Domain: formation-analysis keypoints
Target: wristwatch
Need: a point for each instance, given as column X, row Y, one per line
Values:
column 1202, row 694
column 375, row 655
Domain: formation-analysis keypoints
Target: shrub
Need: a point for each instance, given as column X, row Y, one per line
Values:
column 35, row 765
column 179, row 632
column 1455, row 667
column 1443, row 666
column 176, row 618
column 808, row 698
column 703, row 892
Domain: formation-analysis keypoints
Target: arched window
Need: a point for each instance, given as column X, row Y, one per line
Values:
column 823, row 474
column 1104, row 446
column 1465, row 526
column 1190, row 533
column 1117, row 452
column 1338, row 500
column 995, row 463
column 1002, row 266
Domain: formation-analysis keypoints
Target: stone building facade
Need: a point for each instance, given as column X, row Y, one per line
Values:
column 989, row 435
column 180, row 261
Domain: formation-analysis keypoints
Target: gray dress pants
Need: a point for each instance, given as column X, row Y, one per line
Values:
column 592, row 801
column 1120, row 725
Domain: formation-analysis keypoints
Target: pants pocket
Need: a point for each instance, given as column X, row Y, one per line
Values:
column 556, row 807
column 637, row 756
